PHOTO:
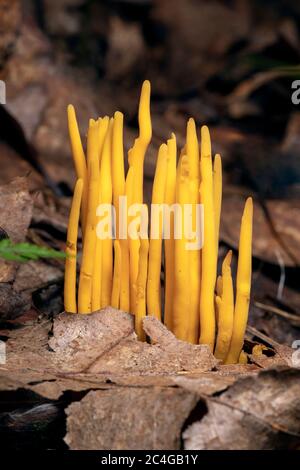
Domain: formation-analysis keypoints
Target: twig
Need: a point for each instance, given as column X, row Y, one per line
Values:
column 282, row 274
column 295, row 319
column 253, row 331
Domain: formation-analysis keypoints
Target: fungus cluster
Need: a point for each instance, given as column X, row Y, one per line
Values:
column 126, row 253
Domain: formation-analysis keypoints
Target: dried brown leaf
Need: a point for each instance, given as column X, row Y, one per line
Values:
column 80, row 340
column 256, row 412
column 129, row 418
column 15, row 208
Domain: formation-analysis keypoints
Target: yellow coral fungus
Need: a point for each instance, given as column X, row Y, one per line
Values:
column 128, row 272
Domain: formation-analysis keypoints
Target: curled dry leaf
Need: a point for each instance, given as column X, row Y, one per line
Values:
column 183, row 356
column 129, row 418
column 13, row 303
column 80, row 340
column 105, row 342
column 15, row 208
column 256, row 412
column 207, row 384
column 160, row 386
column 13, row 165
column 19, row 281
column 283, row 356
column 88, row 350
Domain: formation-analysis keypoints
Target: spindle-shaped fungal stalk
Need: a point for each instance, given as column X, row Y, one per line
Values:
column 88, row 253
column 243, row 284
column 138, row 151
column 217, row 195
column 124, row 288
column 97, row 273
column 116, row 286
column 218, row 296
column 140, row 306
column 133, row 244
column 79, row 160
column 192, row 151
column 136, row 156
column 225, row 311
column 106, row 199
column 119, row 190
column 209, row 254
column 181, row 304
column 170, row 197
column 117, row 159
column 71, row 250
column 155, row 244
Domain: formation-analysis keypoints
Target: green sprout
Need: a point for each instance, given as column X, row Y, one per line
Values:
column 23, row 252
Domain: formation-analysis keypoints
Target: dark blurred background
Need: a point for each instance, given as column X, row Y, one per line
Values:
column 229, row 64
